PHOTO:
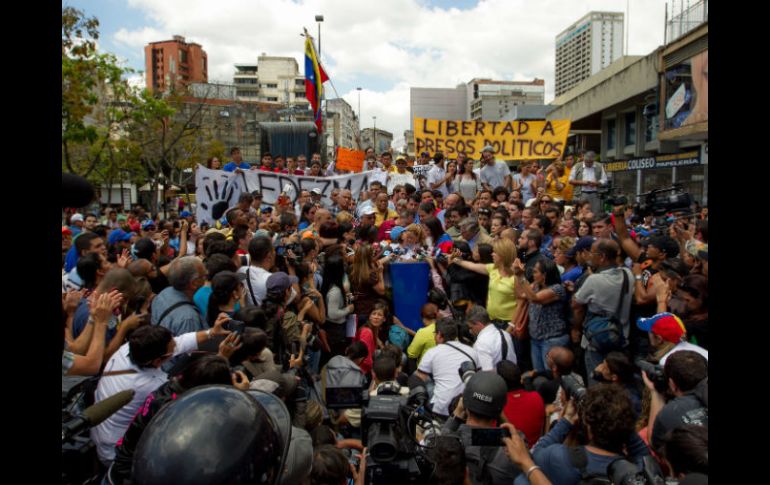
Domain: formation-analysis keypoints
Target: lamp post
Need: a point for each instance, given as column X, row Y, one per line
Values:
column 319, row 19
column 359, row 104
column 374, row 135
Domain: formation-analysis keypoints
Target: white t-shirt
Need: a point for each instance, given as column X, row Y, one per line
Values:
column 395, row 178
column 490, row 348
column 258, row 278
column 442, row 362
column 494, row 176
column 143, row 382
column 685, row 346
column 436, row 175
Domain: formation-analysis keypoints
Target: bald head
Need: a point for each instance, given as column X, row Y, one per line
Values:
column 140, row 267
column 451, row 200
column 321, row 216
column 563, row 359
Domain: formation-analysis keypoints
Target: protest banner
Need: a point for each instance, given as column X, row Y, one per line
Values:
column 419, row 170
column 219, row 189
column 511, row 140
column 352, row 160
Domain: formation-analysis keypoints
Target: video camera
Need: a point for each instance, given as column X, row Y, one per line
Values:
column 573, row 388
column 388, row 427
column 282, row 254
column 661, row 201
column 654, row 374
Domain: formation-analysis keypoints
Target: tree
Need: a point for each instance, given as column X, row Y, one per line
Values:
column 96, row 103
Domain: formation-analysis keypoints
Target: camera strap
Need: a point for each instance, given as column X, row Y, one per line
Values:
column 174, row 307
column 251, row 290
column 504, row 344
column 464, row 352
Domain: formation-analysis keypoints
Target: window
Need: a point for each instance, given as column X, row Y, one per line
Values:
column 630, row 128
column 610, row 134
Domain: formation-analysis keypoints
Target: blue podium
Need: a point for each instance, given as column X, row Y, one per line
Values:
column 409, row 285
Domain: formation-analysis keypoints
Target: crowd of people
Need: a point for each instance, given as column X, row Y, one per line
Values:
column 577, row 329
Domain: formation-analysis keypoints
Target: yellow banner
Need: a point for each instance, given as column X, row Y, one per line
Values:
column 512, row 140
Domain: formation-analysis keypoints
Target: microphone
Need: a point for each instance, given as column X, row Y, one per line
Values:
column 94, row 415
column 76, row 191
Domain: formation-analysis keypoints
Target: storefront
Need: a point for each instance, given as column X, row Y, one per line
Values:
column 641, row 175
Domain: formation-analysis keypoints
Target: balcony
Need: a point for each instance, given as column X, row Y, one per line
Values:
column 686, row 20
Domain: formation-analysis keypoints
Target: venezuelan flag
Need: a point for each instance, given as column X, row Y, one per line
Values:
column 314, row 79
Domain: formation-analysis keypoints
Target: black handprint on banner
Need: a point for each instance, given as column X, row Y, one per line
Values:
column 220, row 194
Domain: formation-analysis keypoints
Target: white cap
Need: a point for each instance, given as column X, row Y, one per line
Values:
column 76, row 218
column 368, row 211
column 316, row 191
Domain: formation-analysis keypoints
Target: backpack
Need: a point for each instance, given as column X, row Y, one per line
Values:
column 342, row 383
column 604, row 332
column 579, row 460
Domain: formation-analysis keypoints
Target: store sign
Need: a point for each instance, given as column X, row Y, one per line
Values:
column 660, row 161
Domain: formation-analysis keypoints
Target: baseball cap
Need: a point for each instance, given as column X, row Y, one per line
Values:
column 261, row 233
column 267, row 209
column 401, row 157
column 119, row 235
column 368, row 211
column 76, row 218
column 147, row 224
column 485, row 394
column 316, row 191
column 279, row 282
column 122, row 217
column 185, row 214
column 395, row 232
column 66, row 230
column 582, row 244
column 488, row 148
column 667, row 326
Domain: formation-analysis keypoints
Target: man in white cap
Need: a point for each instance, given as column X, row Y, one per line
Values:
column 76, row 223
column 493, row 173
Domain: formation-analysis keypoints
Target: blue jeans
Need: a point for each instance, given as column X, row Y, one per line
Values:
column 540, row 349
column 593, row 359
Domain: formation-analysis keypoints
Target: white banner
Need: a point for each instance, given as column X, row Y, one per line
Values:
column 418, row 170
column 217, row 188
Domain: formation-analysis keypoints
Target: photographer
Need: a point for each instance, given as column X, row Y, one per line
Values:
column 687, row 376
column 441, row 363
column 262, row 259
column 686, row 451
column 385, row 372
column 606, row 420
column 481, row 405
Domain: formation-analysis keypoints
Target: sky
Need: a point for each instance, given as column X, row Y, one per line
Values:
column 385, row 47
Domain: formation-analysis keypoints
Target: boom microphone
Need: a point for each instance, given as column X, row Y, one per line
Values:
column 76, row 191
column 94, row 415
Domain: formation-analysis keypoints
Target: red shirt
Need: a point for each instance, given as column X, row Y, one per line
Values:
column 296, row 172
column 366, row 336
column 265, row 169
column 526, row 411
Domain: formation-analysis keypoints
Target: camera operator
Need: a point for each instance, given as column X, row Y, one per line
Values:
column 385, row 374
column 137, row 365
column 262, row 259
column 481, row 405
column 606, row 420
column 687, row 376
column 203, row 370
column 441, row 363
column 492, row 344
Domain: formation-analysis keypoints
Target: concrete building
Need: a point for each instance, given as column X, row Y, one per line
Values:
column 479, row 99
column 586, row 47
column 490, row 100
column 271, row 80
column 638, row 117
column 438, row 103
column 409, row 139
column 380, row 140
column 174, row 63
column 340, row 126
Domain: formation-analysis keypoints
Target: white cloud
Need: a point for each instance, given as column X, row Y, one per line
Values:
column 398, row 42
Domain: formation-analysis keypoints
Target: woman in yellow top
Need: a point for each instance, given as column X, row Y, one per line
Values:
column 501, row 296
column 557, row 181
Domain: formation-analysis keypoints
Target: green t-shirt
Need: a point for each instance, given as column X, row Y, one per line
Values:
column 423, row 340
column 501, row 299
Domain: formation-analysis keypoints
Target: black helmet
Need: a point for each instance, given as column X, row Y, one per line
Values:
column 215, row 434
column 485, row 394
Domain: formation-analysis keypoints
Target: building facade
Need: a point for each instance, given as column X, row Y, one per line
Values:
column 378, row 139
column 586, row 47
column 479, row 99
column 271, row 80
column 340, row 126
column 174, row 63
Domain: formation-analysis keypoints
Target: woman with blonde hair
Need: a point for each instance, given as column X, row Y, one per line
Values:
column 501, row 296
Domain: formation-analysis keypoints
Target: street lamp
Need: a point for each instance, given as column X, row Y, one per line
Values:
column 359, row 104
column 319, row 19
column 374, row 141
